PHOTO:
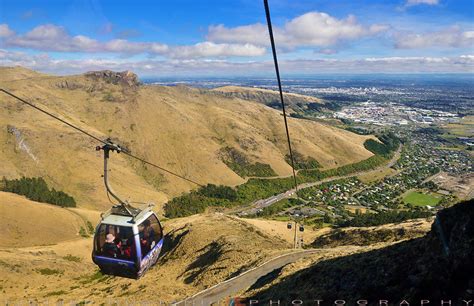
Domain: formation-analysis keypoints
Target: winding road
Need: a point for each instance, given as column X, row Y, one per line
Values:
column 226, row 289
column 260, row 204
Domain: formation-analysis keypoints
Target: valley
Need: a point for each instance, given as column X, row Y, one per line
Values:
column 363, row 188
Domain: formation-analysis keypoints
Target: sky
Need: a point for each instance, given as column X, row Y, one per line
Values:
column 230, row 37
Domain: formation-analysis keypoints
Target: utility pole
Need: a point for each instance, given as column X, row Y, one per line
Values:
column 296, row 236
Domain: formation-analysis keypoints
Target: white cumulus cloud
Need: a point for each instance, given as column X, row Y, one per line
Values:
column 452, row 37
column 51, row 37
column 5, row 31
column 310, row 29
column 210, row 49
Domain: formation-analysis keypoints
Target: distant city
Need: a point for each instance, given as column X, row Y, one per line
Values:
column 451, row 93
column 432, row 114
column 385, row 114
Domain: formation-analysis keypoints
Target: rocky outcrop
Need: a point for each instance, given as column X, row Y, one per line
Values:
column 21, row 142
column 126, row 78
column 65, row 84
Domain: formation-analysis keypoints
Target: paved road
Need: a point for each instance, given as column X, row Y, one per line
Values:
column 287, row 194
column 228, row 288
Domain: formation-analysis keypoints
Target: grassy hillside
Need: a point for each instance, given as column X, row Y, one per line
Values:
column 198, row 252
column 27, row 223
column 268, row 97
column 178, row 128
column 435, row 266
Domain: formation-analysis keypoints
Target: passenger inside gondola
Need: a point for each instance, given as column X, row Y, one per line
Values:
column 150, row 234
column 147, row 236
column 110, row 248
column 116, row 242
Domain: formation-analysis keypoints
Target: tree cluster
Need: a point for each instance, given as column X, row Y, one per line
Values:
column 36, row 189
column 371, row 219
column 198, row 200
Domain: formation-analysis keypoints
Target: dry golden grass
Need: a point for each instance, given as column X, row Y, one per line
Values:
column 279, row 229
column 257, row 91
column 177, row 128
column 27, row 223
column 201, row 251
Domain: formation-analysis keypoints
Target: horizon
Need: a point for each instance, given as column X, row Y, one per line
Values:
column 269, row 75
column 221, row 39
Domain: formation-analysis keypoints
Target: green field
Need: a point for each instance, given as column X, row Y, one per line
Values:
column 421, row 199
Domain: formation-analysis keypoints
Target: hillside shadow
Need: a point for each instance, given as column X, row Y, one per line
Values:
column 266, row 279
column 243, row 269
column 415, row 269
column 171, row 242
column 212, row 253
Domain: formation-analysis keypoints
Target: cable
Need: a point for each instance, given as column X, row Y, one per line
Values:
column 275, row 60
column 98, row 139
column 162, row 169
column 51, row 115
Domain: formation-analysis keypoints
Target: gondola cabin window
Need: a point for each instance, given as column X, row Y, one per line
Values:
column 150, row 234
column 116, row 242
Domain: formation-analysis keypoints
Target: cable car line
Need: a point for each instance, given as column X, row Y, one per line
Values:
column 105, row 142
column 129, row 240
column 51, row 115
column 277, row 70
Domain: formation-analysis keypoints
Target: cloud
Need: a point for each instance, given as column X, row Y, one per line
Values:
column 5, row 31
column 256, row 34
column 326, row 51
column 210, row 49
column 50, row 37
column 313, row 29
column 452, row 37
column 418, row 2
column 186, row 67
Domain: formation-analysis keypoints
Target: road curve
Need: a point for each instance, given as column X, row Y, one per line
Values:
column 289, row 193
column 226, row 289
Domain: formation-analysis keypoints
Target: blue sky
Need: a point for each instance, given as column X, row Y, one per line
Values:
column 160, row 38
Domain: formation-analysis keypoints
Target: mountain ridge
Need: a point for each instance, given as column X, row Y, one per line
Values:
column 177, row 129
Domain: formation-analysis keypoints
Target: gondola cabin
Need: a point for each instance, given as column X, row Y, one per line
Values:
column 128, row 240
column 127, row 244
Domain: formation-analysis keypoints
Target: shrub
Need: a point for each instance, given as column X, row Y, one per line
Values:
column 389, row 143
column 36, row 189
column 72, row 258
column 240, row 164
column 259, row 188
column 198, row 200
column 48, row 271
column 374, row 219
column 302, row 162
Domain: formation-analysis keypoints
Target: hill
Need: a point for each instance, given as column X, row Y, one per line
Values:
column 28, row 223
column 199, row 251
column 436, row 266
column 184, row 130
column 46, row 258
column 267, row 97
